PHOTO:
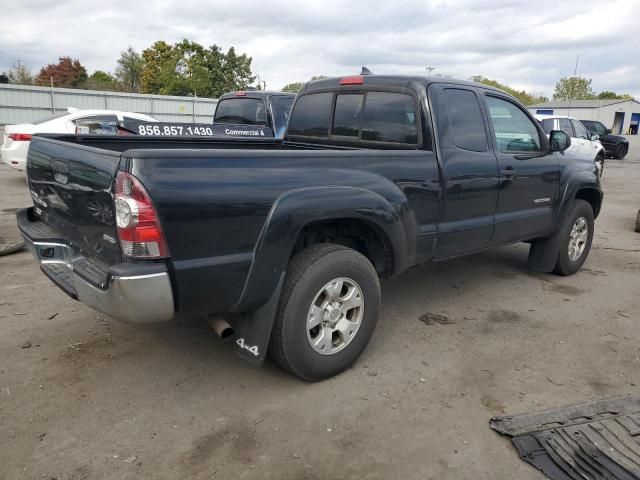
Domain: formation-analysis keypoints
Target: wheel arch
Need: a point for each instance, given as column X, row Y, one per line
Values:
column 299, row 212
column 591, row 195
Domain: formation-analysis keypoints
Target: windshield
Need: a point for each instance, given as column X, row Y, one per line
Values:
column 281, row 107
column 593, row 126
column 245, row 111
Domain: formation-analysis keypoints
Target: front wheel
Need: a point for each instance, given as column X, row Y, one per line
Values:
column 600, row 164
column 621, row 151
column 576, row 236
column 327, row 313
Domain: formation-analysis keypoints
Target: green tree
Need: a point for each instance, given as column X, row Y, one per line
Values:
column 573, row 88
column 100, row 80
column 129, row 70
column 20, row 74
column 187, row 68
column 293, row 87
column 66, row 73
column 525, row 97
column 296, row 86
column 606, row 94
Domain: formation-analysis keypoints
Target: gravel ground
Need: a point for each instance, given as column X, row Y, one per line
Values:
column 85, row 397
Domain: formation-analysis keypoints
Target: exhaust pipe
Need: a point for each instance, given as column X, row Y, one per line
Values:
column 221, row 327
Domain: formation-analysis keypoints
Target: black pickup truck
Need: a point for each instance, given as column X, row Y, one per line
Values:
column 285, row 241
column 252, row 113
column 240, row 113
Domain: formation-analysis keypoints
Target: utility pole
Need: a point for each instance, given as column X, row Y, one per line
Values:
column 193, row 108
column 53, row 100
column 573, row 80
column 429, row 69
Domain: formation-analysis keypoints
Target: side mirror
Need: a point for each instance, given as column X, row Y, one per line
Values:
column 595, row 137
column 608, row 131
column 559, row 141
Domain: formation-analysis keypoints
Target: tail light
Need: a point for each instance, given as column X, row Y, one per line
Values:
column 20, row 137
column 137, row 221
column 241, row 94
column 355, row 80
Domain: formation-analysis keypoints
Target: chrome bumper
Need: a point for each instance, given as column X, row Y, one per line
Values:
column 141, row 299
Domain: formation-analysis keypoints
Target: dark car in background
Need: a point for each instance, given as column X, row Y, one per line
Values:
column 615, row 146
column 268, row 111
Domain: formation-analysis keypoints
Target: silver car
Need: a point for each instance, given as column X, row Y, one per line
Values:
column 582, row 143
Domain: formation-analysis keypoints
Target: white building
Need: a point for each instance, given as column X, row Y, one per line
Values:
column 621, row 116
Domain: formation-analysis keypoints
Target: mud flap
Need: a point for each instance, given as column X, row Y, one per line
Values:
column 543, row 254
column 600, row 440
column 252, row 331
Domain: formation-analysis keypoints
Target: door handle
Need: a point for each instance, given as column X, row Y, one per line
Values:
column 508, row 172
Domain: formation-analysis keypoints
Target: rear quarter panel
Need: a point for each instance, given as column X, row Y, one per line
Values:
column 213, row 206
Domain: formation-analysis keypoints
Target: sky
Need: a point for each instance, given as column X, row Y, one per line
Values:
column 526, row 45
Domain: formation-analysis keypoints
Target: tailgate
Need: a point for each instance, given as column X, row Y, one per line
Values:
column 71, row 189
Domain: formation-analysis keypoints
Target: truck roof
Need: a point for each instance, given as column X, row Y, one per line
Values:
column 391, row 81
column 261, row 94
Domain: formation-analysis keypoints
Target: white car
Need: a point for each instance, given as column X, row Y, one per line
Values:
column 16, row 138
column 582, row 142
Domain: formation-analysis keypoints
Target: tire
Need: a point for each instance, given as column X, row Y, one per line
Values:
column 621, row 151
column 568, row 263
column 310, row 275
column 599, row 161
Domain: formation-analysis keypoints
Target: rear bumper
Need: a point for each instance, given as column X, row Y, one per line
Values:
column 132, row 293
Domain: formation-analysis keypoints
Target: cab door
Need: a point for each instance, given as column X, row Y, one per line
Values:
column 469, row 169
column 529, row 178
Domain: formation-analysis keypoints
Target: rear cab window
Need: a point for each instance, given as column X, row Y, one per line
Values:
column 241, row 110
column 311, row 116
column 367, row 118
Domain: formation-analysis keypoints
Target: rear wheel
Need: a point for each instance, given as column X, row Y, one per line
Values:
column 576, row 236
column 621, row 151
column 327, row 313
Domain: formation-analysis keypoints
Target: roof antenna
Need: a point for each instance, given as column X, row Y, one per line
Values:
column 365, row 71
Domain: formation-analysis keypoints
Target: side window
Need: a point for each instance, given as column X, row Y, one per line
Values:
column 547, row 125
column 599, row 128
column 390, row 117
column 465, row 120
column 581, row 132
column 565, row 126
column 348, row 115
column 97, row 125
column 311, row 115
column 514, row 130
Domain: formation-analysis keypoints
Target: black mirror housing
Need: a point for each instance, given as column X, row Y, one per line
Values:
column 559, row 141
column 608, row 131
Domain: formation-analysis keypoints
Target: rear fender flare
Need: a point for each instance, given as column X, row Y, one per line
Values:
column 295, row 209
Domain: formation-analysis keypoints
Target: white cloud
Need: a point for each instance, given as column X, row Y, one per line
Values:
column 528, row 45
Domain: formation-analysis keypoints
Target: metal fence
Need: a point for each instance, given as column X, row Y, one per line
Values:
column 25, row 104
